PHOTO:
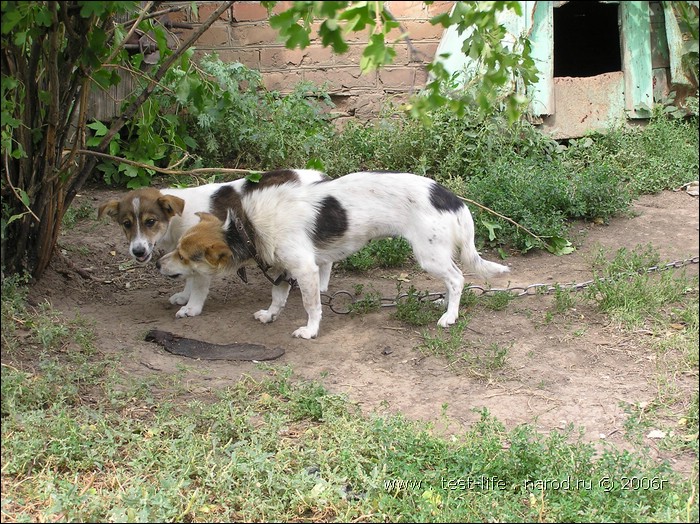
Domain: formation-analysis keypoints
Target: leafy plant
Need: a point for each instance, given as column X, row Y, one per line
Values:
column 370, row 302
column 384, row 253
column 252, row 126
column 416, row 308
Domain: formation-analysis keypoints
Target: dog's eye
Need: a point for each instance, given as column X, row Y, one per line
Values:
column 127, row 224
column 151, row 222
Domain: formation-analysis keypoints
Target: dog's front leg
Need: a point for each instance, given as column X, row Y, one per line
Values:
column 311, row 296
column 280, row 292
column 198, row 295
column 183, row 296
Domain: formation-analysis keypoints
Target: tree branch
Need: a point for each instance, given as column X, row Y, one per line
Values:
column 78, row 182
column 165, row 171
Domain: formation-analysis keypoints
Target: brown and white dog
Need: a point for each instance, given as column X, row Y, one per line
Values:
column 296, row 231
column 151, row 217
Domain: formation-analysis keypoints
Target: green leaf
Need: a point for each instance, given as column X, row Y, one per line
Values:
column 331, row 35
column 376, row 54
column 559, row 246
column 297, row 36
column 99, row 128
column 24, row 197
column 492, row 227
column 315, row 163
column 255, row 177
column 89, row 9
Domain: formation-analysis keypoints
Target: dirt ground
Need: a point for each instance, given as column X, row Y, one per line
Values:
column 576, row 368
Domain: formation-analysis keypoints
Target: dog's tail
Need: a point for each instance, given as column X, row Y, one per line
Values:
column 470, row 256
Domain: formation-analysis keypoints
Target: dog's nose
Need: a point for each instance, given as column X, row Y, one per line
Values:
column 138, row 252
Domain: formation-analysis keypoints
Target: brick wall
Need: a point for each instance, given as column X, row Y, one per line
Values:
column 243, row 34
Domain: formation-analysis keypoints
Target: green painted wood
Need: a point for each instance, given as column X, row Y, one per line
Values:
column 677, row 47
column 541, row 34
column 636, row 59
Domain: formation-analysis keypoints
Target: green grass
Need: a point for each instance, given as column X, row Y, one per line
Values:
column 476, row 358
column 417, row 308
column 277, row 450
column 632, row 296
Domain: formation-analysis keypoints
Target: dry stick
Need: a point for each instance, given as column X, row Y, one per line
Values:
column 165, row 171
column 118, row 47
column 489, row 210
column 15, row 191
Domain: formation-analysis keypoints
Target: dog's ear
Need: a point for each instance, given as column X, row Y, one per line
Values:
column 206, row 217
column 171, row 205
column 218, row 254
column 110, row 208
column 232, row 218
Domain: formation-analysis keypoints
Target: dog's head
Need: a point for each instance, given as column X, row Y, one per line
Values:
column 202, row 250
column 144, row 215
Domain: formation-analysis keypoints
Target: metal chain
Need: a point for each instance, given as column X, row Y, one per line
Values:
column 347, row 298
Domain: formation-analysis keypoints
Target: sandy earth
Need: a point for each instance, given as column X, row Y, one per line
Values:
column 576, row 368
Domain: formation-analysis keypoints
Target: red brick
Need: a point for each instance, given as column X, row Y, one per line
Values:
column 439, row 8
column 424, row 52
column 248, row 12
column 247, row 57
column 207, row 8
column 351, row 57
column 368, row 105
column 181, row 16
column 254, row 34
column 408, row 9
column 280, row 57
column 340, row 79
column 397, row 78
column 281, row 6
column 318, row 56
column 216, row 36
column 421, row 77
column 283, row 82
column 423, row 30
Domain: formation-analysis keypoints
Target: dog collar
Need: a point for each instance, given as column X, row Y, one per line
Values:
column 253, row 252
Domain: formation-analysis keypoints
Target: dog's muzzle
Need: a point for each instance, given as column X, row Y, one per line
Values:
column 141, row 256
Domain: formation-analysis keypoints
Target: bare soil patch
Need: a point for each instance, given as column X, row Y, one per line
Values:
column 576, row 368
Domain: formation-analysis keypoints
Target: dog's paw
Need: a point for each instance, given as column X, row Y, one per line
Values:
column 180, row 298
column 305, row 332
column 264, row 316
column 188, row 311
column 447, row 320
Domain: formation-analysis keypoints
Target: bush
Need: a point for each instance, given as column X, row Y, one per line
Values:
column 248, row 125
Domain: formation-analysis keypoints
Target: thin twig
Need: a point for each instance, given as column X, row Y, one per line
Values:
column 14, row 190
column 119, row 46
column 201, row 170
column 489, row 210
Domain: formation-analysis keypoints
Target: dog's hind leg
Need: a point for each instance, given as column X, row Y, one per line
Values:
column 308, row 281
column 437, row 260
column 280, row 292
column 324, row 276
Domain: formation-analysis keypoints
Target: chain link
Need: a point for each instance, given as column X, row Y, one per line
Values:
column 349, row 299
